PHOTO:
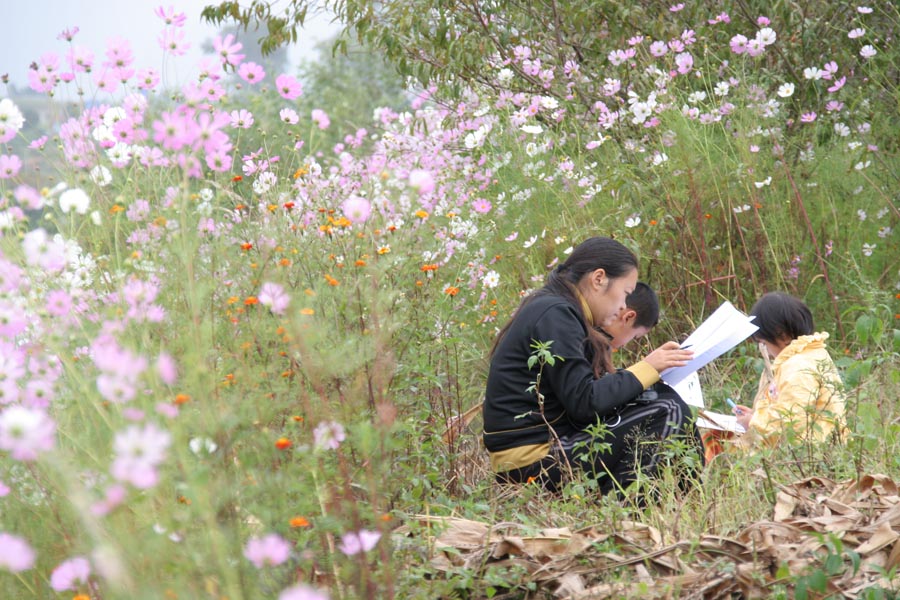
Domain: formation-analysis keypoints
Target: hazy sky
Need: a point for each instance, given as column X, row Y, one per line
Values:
column 31, row 27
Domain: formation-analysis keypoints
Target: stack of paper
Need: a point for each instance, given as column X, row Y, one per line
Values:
column 723, row 330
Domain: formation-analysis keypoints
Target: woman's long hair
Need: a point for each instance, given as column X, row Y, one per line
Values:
column 592, row 254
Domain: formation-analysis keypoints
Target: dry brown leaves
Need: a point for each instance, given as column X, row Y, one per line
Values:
column 863, row 514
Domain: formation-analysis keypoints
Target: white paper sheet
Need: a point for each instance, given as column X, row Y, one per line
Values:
column 712, row 420
column 723, row 330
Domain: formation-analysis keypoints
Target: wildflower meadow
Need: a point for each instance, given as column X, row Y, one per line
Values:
column 245, row 320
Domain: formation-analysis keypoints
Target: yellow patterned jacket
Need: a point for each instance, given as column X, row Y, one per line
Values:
column 801, row 392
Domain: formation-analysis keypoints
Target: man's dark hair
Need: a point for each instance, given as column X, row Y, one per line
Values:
column 645, row 303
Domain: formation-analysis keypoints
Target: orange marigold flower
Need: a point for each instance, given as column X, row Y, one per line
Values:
column 301, row 172
column 184, row 500
column 426, row 268
column 285, row 262
column 246, row 246
column 307, row 311
column 116, row 208
column 272, row 207
column 360, row 263
column 288, row 205
column 251, row 300
column 385, row 517
column 81, row 597
column 283, row 443
column 653, row 222
column 384, row 249
column 240, row 207
column 331, row 280
column 451, row 290
column 237, row 178
column 419, row 282
column 421, row 214
column 531, row 479
column 297, row 418
column 299, row 522
column 182, row 398
column 707, row 216
column 232, row 299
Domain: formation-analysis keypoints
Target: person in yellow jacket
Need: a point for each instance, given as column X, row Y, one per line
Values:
column 800, row 395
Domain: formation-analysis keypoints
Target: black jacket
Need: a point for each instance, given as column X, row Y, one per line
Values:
column 573, row 398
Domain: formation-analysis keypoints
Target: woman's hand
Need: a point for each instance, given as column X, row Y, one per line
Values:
column 669, row 355
column 743, row 414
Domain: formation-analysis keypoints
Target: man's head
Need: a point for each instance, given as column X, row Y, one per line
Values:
column 640, row 315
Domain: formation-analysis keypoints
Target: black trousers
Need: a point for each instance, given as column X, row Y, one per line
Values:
column 631, row 441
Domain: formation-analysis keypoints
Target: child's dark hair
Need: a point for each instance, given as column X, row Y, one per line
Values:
column 644, row 302
column 588, row 256
column 779, row 316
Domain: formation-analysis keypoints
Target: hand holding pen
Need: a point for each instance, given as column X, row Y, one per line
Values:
column 743, row 413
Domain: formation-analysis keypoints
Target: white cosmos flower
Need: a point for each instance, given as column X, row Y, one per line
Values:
column 535, row 129
column 491, row 279
column 812, row 73
column 868, row 249
column 74, row 199
column 867, row 51
column 785, row 90
column 633, row 221
column 763, row 183
column 101, row 176
column 766, row 36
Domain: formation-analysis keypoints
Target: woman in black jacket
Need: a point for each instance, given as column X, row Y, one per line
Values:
column 529, row 439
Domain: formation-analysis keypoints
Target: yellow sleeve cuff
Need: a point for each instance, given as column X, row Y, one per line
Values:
column 646, row 374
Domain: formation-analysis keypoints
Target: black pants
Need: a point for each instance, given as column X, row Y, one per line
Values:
column 631, row 443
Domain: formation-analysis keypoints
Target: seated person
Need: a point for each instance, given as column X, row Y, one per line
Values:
column 800, row 395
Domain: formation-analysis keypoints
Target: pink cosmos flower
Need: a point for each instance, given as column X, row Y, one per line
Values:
column 357, row 209
column 481, row 206
column 170, row 17
column 139, row 451
column 69, row 574
column 15, row 553
column 9, row 166
column 838, row 84
column 270, row 550
column 227, row 50
column 658, row 48
column 422, row 181
column 118, row 53
column 288, row 87
column 320, row 117
column 808, row 117
column 147, row 79
column 274, row 296
column 739, row 44
column 4, row 489
column 251, row 72
column 112, row 497
column 58, row 303
column 289, row 116
column 684, row 62
column 172, row 40
column 67, row 34
column 80, row 59
column 328, row 435
column 356, row 542
column 166, row 368
column 241, row 119
column 302, row 592
column 26, row 432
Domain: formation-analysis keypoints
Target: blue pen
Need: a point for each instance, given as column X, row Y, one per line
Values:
column 733, row 406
